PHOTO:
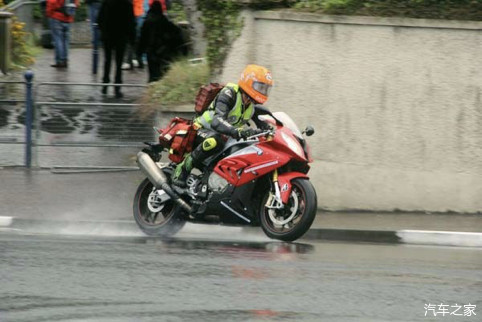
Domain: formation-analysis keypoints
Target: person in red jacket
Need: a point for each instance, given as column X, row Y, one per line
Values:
column 60, row 17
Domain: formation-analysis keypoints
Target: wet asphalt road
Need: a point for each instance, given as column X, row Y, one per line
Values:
column 235, row 278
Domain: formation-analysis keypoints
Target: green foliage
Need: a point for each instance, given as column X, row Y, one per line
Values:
column 269, row 4
column 177, row 13
column 22, row 49
column 179, row 86
column 222, row 23
column 432, row 9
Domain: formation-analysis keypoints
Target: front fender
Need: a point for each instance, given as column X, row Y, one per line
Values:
column 284, row 181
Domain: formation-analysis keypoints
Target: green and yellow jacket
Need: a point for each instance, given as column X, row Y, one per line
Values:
column 227, row 112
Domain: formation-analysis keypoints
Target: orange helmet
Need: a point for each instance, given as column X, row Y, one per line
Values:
column 256, row 81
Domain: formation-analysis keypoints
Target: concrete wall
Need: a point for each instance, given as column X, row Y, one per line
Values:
column 396, row 103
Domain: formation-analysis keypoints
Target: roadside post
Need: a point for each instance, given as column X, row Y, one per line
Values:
column 28, row 118
column 5, row 42
column 95, row 51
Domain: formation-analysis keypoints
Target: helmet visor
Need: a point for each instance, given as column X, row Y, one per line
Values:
column 262, row 88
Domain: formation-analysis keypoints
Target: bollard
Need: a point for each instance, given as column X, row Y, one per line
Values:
column 5, row 41
column 95, row 51
column 28, row 118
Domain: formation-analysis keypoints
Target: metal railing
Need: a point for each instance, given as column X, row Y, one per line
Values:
column 12, row 121
column 11, row 108
column 52, row 130
column 90, row 124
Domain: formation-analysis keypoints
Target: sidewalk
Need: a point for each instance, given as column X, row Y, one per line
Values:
column 36, row 196
column 79, row 71
column 103, row 120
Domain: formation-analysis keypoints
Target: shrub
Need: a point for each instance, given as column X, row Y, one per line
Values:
column 179, row 86
column 21, row 51
column 432, row 9
column 222, row 23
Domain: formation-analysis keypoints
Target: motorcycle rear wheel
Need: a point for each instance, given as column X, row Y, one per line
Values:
column 294, row 220
column 163, row 223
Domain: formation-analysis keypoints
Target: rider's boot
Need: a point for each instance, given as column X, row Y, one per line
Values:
column 182, row 171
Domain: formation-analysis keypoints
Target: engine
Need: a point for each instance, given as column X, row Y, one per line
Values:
column 217, row 183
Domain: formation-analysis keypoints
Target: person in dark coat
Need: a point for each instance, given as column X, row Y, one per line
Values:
column 117, row 26
column 161, row 40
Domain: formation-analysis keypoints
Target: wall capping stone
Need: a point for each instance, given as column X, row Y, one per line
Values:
column 184, row 108
column 288, row 15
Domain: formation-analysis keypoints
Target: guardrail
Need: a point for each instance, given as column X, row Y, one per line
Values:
column 60, row 128
column 14, row 5
column 12, row 131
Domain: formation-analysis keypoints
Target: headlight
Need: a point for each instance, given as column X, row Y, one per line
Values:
column 293, row 144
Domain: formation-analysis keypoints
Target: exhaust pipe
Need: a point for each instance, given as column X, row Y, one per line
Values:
column 159, row 179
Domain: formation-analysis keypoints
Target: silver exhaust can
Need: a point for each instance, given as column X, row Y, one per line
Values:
column 159, row 179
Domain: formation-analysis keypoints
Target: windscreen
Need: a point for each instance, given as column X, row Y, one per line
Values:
column 289, row 123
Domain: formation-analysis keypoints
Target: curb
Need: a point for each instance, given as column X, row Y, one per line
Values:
column 410, row 237
column 369, row 236
column 120, row 227
column 5, row 221
column 442, row 238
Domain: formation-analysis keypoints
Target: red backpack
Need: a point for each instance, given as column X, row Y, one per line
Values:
column 178, row 137
column 205, row 95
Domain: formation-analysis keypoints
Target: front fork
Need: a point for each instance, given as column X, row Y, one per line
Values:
column 274, row 200
column 281, row 191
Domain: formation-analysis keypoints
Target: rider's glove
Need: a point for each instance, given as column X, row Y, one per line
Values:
column 244, row 133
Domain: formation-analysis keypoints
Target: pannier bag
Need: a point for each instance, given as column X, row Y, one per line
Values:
column 178, row 137
column 206, row 95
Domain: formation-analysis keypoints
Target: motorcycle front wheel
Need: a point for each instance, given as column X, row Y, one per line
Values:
column 295, row 218
column 153, row 216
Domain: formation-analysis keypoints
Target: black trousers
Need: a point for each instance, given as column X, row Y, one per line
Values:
column 206, row 144
column 119, row 50
column 157, row 67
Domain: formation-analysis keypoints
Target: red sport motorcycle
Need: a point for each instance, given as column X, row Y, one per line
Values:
column 260, row 181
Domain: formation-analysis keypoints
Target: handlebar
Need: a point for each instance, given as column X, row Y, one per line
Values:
column 265, row 133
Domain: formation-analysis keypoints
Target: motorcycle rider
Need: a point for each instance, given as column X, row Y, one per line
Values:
column 228, row 114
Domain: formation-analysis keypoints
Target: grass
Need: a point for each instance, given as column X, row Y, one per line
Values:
column 179, row 86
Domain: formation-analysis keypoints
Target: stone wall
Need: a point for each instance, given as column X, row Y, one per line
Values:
column 396, row 104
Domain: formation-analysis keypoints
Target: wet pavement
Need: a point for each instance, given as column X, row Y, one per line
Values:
column 98, row 202
column 73, row 112
column 79, row 71
column 84, row 273
column 80, row 195
column 67, row 278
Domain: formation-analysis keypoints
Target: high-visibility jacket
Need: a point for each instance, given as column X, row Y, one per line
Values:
column 237, row 116
column 138, row 7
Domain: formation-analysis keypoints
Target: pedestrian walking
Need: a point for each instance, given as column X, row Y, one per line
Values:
column 163, row 3
column 117, row 27
column 139, row 15
column 161, row 40
column 61, row 14
column 94, row 7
